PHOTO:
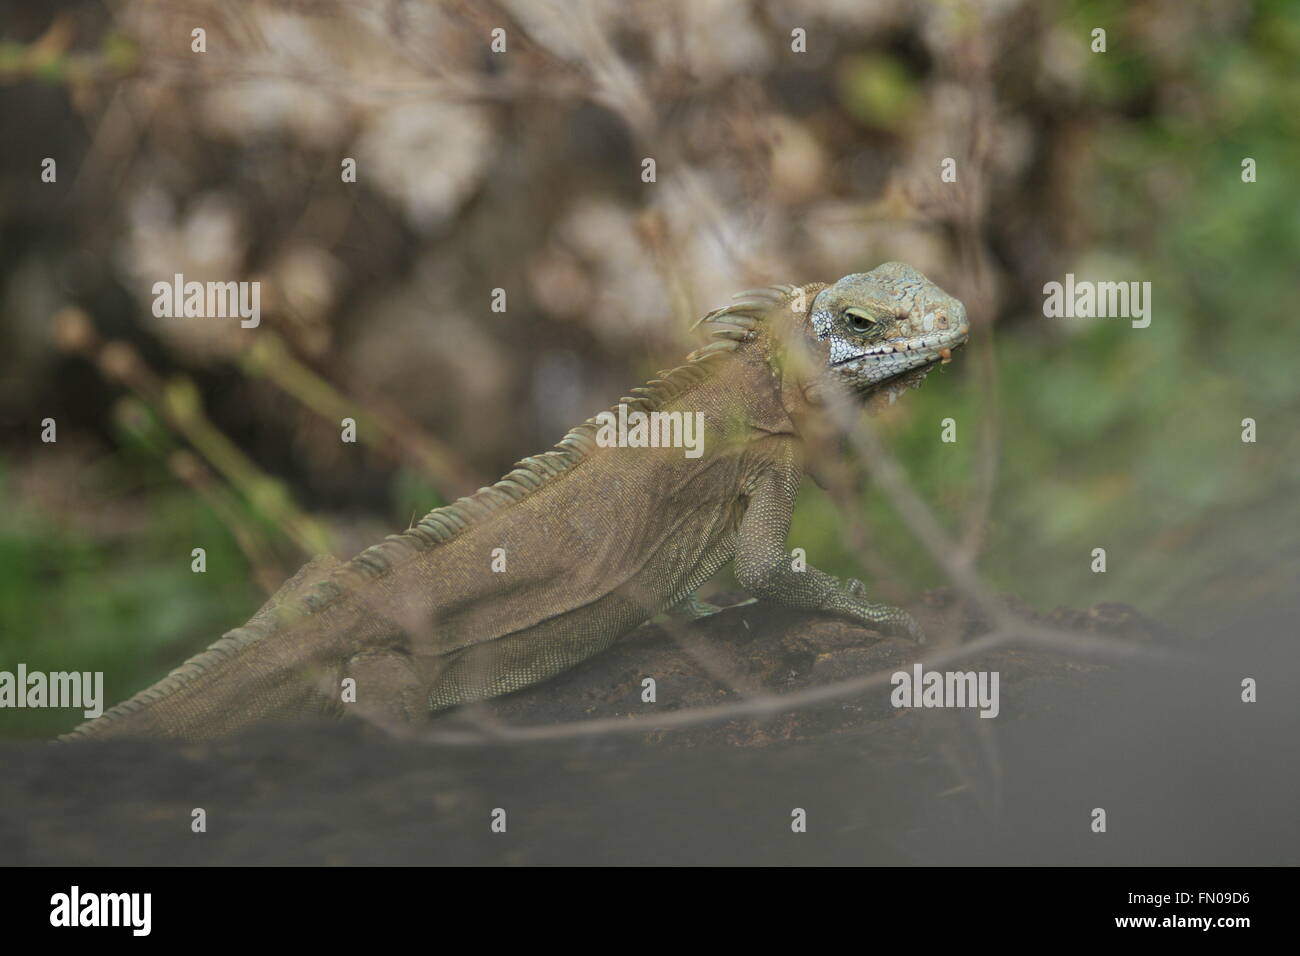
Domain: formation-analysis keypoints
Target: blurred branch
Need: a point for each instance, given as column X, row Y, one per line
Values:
column 177, row 403
column 268, row 572
column 387, row 431
column 138, row 420
column 969, row 220
column 770, row 705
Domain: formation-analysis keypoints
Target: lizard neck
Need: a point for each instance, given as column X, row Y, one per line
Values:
column 795, row 356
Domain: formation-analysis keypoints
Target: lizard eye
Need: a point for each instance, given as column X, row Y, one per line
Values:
column 859, row 320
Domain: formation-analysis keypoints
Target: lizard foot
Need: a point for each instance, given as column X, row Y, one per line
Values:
column 894, row 619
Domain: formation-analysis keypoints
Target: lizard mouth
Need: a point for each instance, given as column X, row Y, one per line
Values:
column 908, row 355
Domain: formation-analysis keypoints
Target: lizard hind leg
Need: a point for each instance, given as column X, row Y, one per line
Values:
column 386, row 691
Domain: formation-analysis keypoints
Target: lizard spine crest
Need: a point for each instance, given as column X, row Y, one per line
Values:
column 532, row 473
column 729, row 326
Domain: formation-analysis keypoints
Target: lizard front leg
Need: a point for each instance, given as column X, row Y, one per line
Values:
column 764, row 569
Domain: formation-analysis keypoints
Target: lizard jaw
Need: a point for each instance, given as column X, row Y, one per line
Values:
column 878, row 364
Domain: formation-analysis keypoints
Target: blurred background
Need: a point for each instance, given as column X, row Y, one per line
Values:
column 522, row 171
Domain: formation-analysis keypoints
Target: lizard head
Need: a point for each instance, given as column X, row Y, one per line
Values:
column 882, row 331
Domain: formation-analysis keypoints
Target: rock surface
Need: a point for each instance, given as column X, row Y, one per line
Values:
column 1186, row 772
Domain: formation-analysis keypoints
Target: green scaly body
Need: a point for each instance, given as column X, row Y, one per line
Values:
column 595, row 540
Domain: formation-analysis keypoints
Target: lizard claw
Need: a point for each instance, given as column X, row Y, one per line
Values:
column 900, row 622
column 894, row 619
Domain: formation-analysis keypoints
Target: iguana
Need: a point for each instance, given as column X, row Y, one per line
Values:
column 579, row 545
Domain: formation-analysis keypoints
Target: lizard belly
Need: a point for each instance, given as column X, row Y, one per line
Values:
column 689, row 546
column 514, row 661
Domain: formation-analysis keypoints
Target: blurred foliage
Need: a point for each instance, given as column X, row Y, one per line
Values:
column 1129, row 439
column 1123, row 165
column 125, row 604
column 878, row 90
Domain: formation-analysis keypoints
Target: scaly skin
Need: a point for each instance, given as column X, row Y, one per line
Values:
column 596, row 540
